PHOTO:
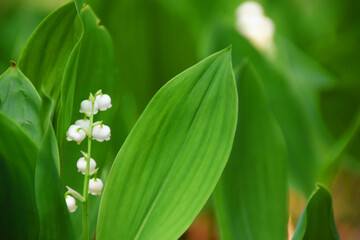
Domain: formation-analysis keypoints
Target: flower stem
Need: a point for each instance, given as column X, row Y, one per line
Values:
column 85, row 213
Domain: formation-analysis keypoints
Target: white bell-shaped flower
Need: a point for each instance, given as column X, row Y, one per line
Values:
column 83, row 123
column 71, row 203
column 101, row 132
column 75, row 133
column 103, row 102
column 81, row 165
column 85, row 107
column 95, row 186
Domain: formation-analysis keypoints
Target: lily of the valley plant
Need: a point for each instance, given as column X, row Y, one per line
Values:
column 86, row 165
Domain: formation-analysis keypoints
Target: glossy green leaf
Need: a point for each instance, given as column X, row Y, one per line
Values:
column 251, row 196
column 18, row 153
column 173, row 157
column 47, row 51
column 20, row 102
column 53, row 214
column 317, row 220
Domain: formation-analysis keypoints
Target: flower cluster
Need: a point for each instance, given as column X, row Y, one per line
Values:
column 254, row 25
column 100, row 132
column 94, row 131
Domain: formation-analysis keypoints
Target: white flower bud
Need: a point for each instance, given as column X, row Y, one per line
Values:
column 81, row 165
column 84, row 124
column 75, row 133
column 95, row 186
column 103, row 102
column 85, row 107
column 71, row 203
column 101, row 132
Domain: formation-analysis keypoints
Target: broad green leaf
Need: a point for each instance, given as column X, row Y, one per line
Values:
column 18, row 153
column 173, row 157
column 20, row 102
column 251, row 196
column 47, row 51
column 317, row 220
column 53, row 214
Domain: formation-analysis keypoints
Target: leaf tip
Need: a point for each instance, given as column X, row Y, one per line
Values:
column 226, row 50
column 321, row 188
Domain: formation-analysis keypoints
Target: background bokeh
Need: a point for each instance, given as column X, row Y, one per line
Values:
column 156, row 40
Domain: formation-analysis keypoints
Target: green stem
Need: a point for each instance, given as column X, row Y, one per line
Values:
column 85, row 213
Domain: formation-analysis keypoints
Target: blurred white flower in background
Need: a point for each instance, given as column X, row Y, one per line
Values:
column 255, row 26
column 249, row 8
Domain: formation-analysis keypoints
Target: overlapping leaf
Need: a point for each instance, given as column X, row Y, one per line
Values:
column 47, row 51
column 20, row 102
column 317, row 220
column 20, row 131
column 23, row 120
column 251, row 196
column 18, row 153
column 54, row 217
column 172, row 159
